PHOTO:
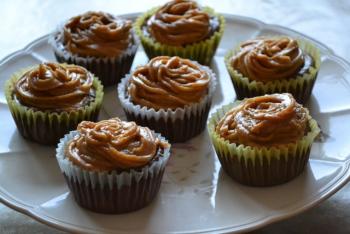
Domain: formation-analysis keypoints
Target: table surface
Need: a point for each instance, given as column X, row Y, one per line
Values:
column 324, row 20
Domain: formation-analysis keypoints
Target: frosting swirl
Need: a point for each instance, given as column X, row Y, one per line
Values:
column 54, row 86
column 168, row 83
column 264, row 121
column 113, row 144
column 179, row 22
column 97, row 34
column 269, row 59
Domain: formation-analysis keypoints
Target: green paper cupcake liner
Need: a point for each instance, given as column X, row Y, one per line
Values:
column 202, row 52
column 300, row 87
column 47, row 127
column 261, row 166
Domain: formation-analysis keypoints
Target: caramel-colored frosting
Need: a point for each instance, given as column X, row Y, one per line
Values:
column 113, row 144
column 54, row 86
column 168, row 83
column 269, row 59
column 97, row 34
column 179, row 22
column 264, row 121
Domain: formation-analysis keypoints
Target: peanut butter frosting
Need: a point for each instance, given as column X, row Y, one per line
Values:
column 268, row 59
column 180, row 22
column 54, row 86
column 113, row 144
column 264, row 121
column 168, row 83
column 97, row 34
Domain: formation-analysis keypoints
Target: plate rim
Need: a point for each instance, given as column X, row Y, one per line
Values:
column 31, row 211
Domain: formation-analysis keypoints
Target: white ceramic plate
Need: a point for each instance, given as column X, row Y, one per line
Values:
column 195, row 196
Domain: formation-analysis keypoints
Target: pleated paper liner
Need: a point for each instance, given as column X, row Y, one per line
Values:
column 108, row 70
column 177, row 125
column 112, row 192
column 300, row 87
column 202, row 52
column 261, row 166
column 47, row 127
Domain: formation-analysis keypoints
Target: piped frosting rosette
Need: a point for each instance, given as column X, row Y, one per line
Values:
column 263, row 141
column 113, row 166
column 181, row 28
column 49, row 100
column 274, row 65
column 180, row 23
column 170, row 95
column 98, row 41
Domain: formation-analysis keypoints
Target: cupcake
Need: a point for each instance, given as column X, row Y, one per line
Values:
column 50, row 99
column 170, row 95
column 113, row 166
column 263, row 141
column 181, row 28
column 100, row 42
column 274, row 65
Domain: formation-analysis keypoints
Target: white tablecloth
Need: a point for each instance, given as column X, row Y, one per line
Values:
column 326, row 20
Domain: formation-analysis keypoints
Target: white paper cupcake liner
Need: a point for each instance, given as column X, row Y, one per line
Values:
column 176, row 125
column 112, row 192
column 108, row 70
column 111, row 178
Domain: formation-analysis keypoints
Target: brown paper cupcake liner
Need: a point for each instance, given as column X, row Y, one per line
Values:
column 202, row 52
column 300, row 87
column 261, row 166
column 47, row 127
column 108, row 70
column 112, row 192
column 177, row 125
